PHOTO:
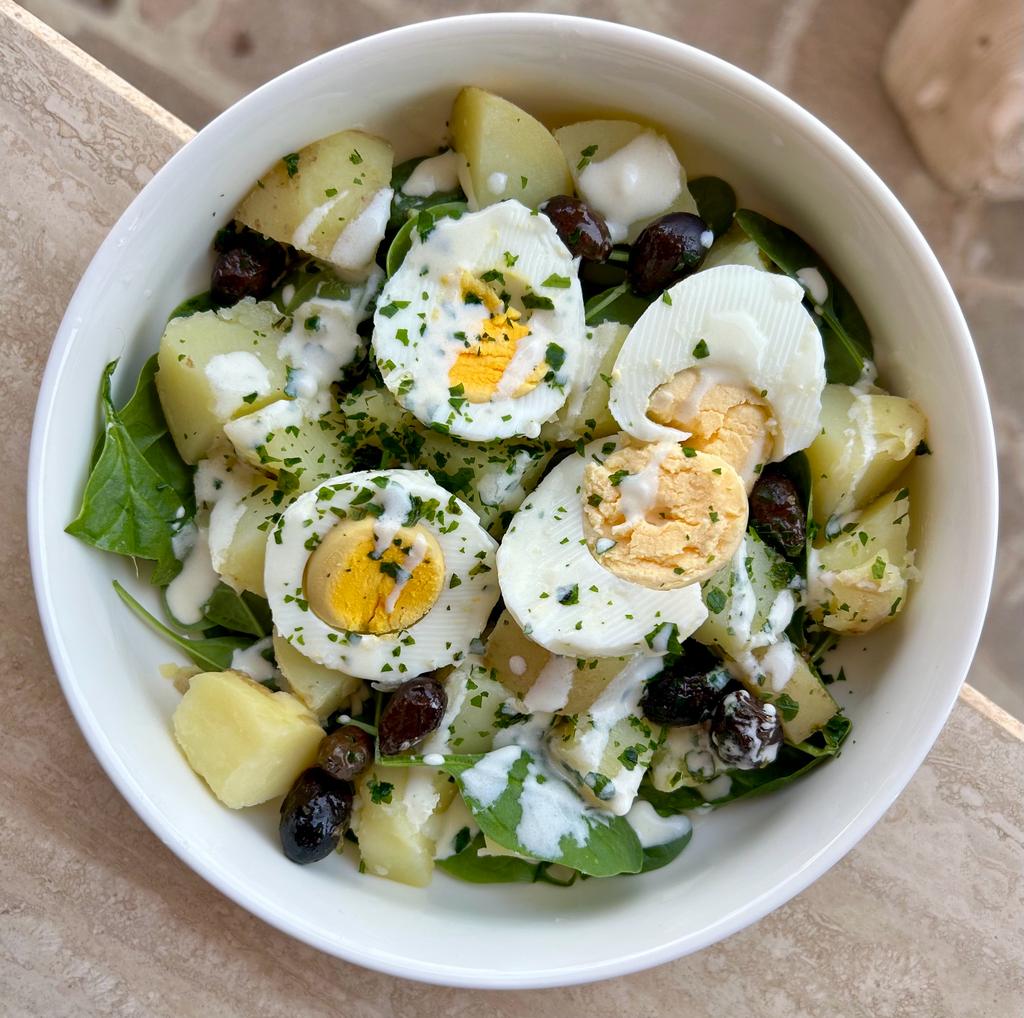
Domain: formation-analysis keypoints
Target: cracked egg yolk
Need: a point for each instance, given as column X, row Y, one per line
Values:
column 479, row 368
column 350, row 587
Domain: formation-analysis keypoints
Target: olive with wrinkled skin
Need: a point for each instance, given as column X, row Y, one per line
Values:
column 688, row 690
column 241, row 272
column 777, row 512
column 583, row 230
column 413, row 712
column 345, row 753
column 745, row 732
column 314, row 816
column 668, row 250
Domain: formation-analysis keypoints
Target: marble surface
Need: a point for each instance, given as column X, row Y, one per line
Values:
column 198, row 56
column 97, row 917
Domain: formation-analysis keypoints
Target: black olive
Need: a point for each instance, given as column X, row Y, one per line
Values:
column 669, row 249
column 745, row 732
column 583, row 231
column 413, row 712
column 345, row 753
column 688, row 690
column 777, row 512
column 245, row 272
column 314, row 816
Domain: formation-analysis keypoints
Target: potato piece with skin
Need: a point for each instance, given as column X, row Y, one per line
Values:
column 247, row 743
column 214, row 365
column 507, row 153
column 858, row 581
column 392, row 821
column 866, row 441
column 309, row 198
column 323, row 690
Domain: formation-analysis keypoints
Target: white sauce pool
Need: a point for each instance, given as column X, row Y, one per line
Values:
column 357, row 244
column 253, row 663
column 189, row 591
column 232, row 377
column 653, row 830
column 638, row 493
column 497, row 183
column 814, row 283
column 550, row 692
column 439, row 173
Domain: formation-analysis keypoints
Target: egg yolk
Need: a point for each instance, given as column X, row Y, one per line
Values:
column 663, row 516
column 349, row 587
column 727, row 420
column 480, row 368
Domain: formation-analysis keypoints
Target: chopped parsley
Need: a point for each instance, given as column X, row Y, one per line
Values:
column 715, row 599
column 557, row 281
column 536, row 302
column 392, row 309
column 291, row 163
column 380, row 791
column 568, row 595
column 700, row 351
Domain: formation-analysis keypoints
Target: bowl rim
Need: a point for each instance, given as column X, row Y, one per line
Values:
column 775, row 105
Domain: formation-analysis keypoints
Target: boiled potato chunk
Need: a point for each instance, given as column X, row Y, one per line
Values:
column 866, row 441
column 606, row 768
column 507, row 153
column 735, row 248
column 395, row 806
column 309, row 197
column 685, row 759
column 858, row 581
column 475, row 699
column 322, row 690
column 593, row 141
column 247, row 743
column 214, row 365
column 242, row 560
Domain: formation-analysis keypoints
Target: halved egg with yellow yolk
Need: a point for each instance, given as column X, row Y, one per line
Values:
column 479, row 333
column 383, row 575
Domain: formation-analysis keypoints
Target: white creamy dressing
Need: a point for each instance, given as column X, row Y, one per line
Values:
column 517, row 665
column 251, row 430
column 222, row 490
column 750, row 732
column 189, row 591
column 717, row 788
column 865, row 385
column 420, row 796
column 603, row 544
column 251, row 661
column 232, row 377
column 500, row 483
column 687, row 411
column 439, row 173
column 287, row 294
column 413, row 557
column 778, row 663
column 638, row 493
column 652, row 829
column 357, row 244
column 551, row 812
column 707, row 238
column 454, row 819
column 662, row 638
column 814, row 283
column 487, row 779
column 313, row 221
column 633, row 184
column 397, row 505
column 529, row 353
column 433, row 759
column 183, row 538
column 497, row 183
column 550, row 691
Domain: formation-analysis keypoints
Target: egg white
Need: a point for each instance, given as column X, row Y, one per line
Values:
column 544, row 557
column 421, row 310
column 756, row 332
column 441, row 637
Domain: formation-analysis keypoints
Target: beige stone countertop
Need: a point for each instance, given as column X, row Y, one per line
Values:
column 925, row 917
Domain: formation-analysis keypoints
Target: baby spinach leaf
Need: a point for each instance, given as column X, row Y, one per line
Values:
column 213, row 654
column 128, row 507
column 844, row 333
column 609, row 847
column 716, row 202
column 657, row 856
column 241, row 613
column 617, row 304
column 307, row 280
column 404, row 205
column 422, row 223
column 193, row 305
column 474, row 868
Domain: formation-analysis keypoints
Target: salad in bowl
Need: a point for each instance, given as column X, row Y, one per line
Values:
column 505, row 503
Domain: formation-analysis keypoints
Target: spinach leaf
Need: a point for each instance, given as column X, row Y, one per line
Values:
column 716, row 202
column 844, row 333
column 241, row 613
column 212, row 654
column 474, row 868
column 309, row 279
column 404, row 205
column 661, row 855
column 610, row 845
column 422, row 223
column 129, row 507
column 192, row 305
column 617, row 304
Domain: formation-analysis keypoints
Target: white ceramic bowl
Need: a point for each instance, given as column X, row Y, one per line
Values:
column 744, row 860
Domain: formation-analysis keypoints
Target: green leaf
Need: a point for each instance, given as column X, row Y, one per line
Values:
column 309, row 279
column 617, row 304
column 193, row 305
column 844, row 333
column 661, row 855
column 212, row 654
column 405, row 205
column 610, row 847
column 474, row 868
column 422, row 223
column 716, row 202
column 241, row 613
column 128, row 507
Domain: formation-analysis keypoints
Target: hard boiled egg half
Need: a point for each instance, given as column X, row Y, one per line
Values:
column 382, row 575
column 728, row 361
column 479, row 331
column 561, row 595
